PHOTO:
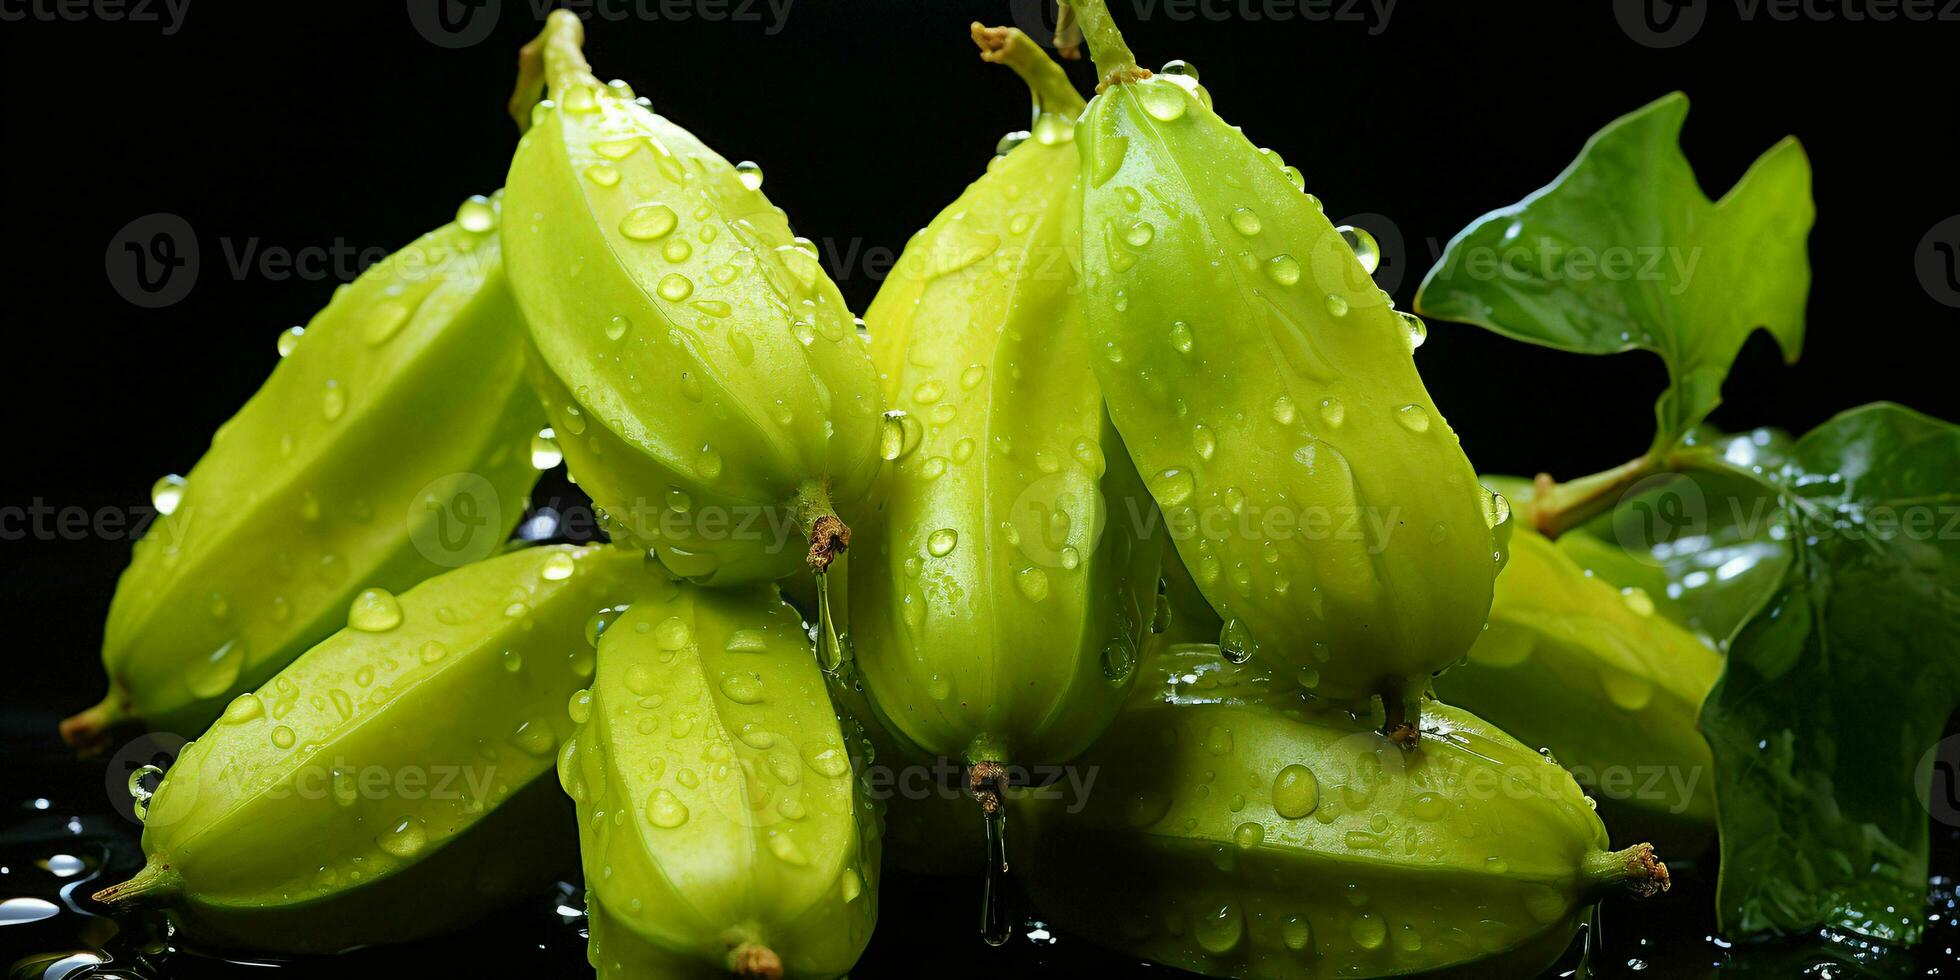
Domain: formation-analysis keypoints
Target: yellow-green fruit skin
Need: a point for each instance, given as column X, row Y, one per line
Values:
column 999, row 598
column 387, row 785
column 1612, row 688
column 701, row 371
column 391, row 444
column 1266, row 392
column 1236, row 829
column 717, row 805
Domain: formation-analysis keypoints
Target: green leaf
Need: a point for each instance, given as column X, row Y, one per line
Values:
column 1624, row 250
column 1839, row 686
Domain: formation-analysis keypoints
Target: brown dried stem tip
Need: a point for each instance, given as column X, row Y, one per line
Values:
column 755, row 960
column 829, row 537
column 987, row 782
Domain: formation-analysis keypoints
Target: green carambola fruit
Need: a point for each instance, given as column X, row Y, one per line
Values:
column 1613, row 689
column 1265, row 389
column 1239, row 828
column 720, row 822
column 998, row 601
column 704, row 378
column 390, row 443
column 386, row 786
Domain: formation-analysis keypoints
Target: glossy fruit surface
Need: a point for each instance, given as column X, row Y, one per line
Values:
column 720, row 821
column 1614, row 690
column 387, row 785
column 704, row 377
column 391, row 442
column 1265, row 389
column 1238, row 829
column 999, row 599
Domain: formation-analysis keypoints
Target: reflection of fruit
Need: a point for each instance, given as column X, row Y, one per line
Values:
column 390, row 443
column 719, row 819
column 386, row 785
column 1265, row 389
column 705, row 379
column 1614, row 690
column 1238, row 829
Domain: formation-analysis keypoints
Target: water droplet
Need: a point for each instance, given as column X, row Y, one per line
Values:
column 1497, row 512
column 1033, row 583
column 1337, row 305
column 1284, row 411
column 243, row 708
column 545, row 453
column 1416, row 330
column 1283, row 269
column 1295, row 792
column 675, row 287
column 1140, row 234
column 1368, row 931
column 374, row 611
column 603, row 174
column 1218, row 929
column 750, row 173
column 901, row 435
column 941, row 542
column 579, row 708
column 1248, row 835
column 1363, row 246
column 333, row 401
column 1295, row 933
column 1294, row 177
column 665, row 810
column 167, row 493
column 1413, row 418
column 1179, row 67
column 289, row 339
column 1203, row 442
column 1332, row 411
column 1172, row 487
column 742, row 688
column 214, row 675
column 1246, row 222
column 283, row 737
column 1119, row 659
column 1235, row 641
column 476, row 214
column 648, row 222
column 1165, row 102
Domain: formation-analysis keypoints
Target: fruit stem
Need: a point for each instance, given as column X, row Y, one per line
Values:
column 87, row 732
column 1052, row 90
column 1559, row 507
column 1636, row 868
column 1113, row 58
column 156, row 884
column 755, row 960
column 1068, row 34
column 829, row 535
column 554, row 58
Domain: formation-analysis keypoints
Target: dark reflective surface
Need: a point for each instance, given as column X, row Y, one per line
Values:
column 61, row 839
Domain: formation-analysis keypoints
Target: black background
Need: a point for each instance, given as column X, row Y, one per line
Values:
column 281, row 127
